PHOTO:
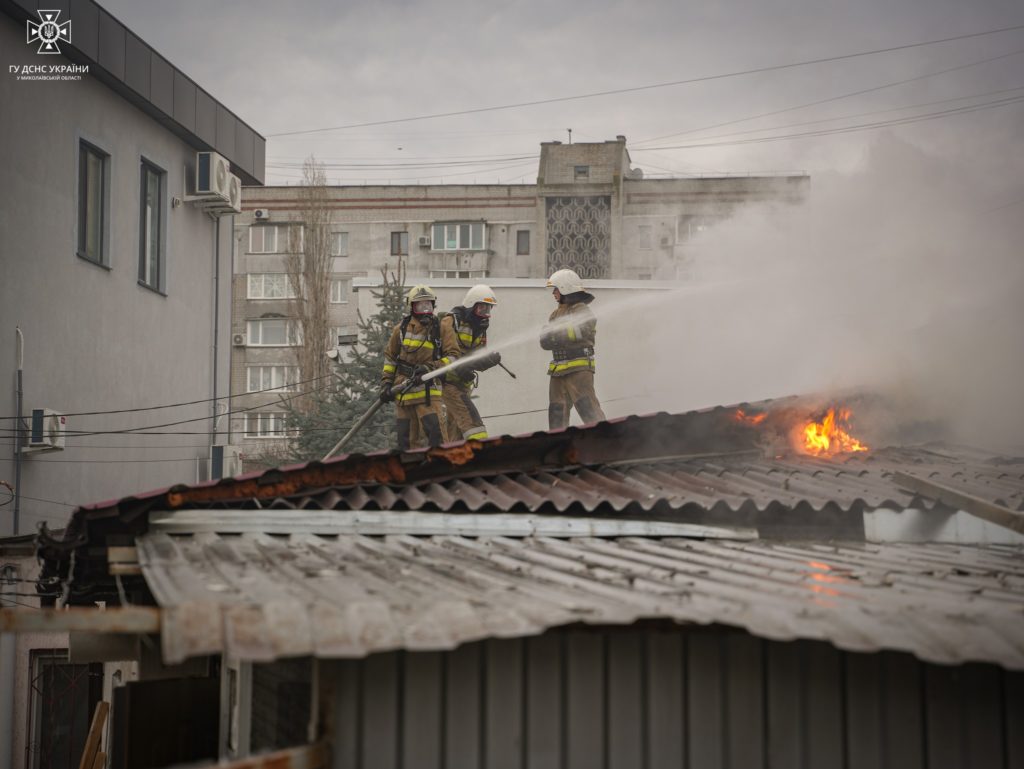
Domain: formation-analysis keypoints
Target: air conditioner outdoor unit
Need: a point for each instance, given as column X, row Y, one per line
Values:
column 46, row 431
column 238, row 340
column 213, row 176
column 261, row 213
column 424, row 242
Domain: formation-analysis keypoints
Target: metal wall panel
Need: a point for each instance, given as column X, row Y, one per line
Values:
column 85, row 27
column 206, row 117
column 670, row 696
column 225, row 131
column 137, row 65
column 185, row 101
column 112, row 36
column 161, row 83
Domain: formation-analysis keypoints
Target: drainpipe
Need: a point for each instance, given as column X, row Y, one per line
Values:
column 7, row 664
column 216, row 452
column 17, row 431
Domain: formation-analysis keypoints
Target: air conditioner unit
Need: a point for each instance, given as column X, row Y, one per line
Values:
column 238, row 340
column 424, row 242
column 213, row 176
column 261, row 213
column 235, row 194
column 46, row 431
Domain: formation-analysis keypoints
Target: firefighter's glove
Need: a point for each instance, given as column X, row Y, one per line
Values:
column 490, row 360
column 417, row 374
column 386, row 394
column 547, row 339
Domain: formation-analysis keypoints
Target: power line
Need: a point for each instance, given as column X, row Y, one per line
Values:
column 856, row 115
column 848, row 129
column 183, row 403
column 595, row 94
column 830, row 99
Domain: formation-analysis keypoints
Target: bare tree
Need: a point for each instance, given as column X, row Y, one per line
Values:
column 308, row 263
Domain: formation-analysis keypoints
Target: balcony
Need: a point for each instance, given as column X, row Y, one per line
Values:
column 458, row 264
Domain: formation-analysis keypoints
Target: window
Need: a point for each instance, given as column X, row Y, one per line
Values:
column 272, row 332
column 275, row 239
column 458, row 237
column 263, row 239
column 689, row 227
column 92, row 203
column 270, row 285
column 151, row 256
column 62, row 697
column 399, row 243
column 581, row 173
column 273, row 378
column 339, row 244
column 339, row 291
column 266, row 424
column 645, row 236
column 522, row 242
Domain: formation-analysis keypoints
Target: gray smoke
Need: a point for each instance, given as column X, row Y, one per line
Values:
column 904, row 278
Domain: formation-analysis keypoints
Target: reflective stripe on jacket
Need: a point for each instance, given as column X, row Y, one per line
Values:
column 417, row 347
column 463, row 334
column 572, row 332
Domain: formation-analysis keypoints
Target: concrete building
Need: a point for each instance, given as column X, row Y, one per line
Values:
column 590, row 210
column 115, row 292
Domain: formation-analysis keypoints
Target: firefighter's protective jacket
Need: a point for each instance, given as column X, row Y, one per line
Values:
column 468, row 343
column 417, row 343
column 570, row 335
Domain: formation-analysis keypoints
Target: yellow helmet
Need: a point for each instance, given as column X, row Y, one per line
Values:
column 420, row 293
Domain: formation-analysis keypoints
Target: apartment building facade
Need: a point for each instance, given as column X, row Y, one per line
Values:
column 590, row 210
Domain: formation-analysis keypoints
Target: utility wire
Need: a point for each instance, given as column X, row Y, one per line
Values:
column 183, row 403
column 703, row 79
column 846, row 129
column 856, row 115
column 829, row 99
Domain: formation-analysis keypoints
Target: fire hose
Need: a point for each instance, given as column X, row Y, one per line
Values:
column 375, row 407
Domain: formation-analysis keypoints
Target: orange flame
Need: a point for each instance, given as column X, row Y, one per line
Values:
column 830, row 436
column 750, row 419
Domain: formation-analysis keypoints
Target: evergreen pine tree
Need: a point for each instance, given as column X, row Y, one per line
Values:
column 332, row 410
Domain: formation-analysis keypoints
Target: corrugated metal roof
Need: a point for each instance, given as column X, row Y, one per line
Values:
column 260, row 597
column 743, row 481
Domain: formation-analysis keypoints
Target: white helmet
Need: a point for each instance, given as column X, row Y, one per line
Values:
column 566, row 281
column 476, row 295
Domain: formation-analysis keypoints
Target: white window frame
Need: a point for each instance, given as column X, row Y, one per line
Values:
column 258, row 284
column 265, row 229
column 339, row 244
column 458, row 236
column 272, row 378
column 339, row 291
column 266, row 425
column 254, row 339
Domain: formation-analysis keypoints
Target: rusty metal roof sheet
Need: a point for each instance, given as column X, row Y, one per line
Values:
column 261, row 597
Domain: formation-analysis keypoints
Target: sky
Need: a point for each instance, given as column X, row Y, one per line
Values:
column 301, row 66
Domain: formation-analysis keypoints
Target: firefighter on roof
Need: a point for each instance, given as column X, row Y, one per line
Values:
column 570, row 336
column 417, row 346
column 468, row 323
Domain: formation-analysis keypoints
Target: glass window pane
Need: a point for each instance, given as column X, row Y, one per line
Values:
column 438, row 236
column 477, row 231
column 451, row 236
column 463, row 236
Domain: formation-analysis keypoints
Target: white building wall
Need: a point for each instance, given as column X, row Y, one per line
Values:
column 96, row 340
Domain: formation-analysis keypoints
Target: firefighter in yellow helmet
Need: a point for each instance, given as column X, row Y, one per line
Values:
column 570, row 336
column 417, row 346
column 468, row 322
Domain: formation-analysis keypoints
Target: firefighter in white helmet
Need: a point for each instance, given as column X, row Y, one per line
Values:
column 417, row 345
column 570, row 336
column 468, row 322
